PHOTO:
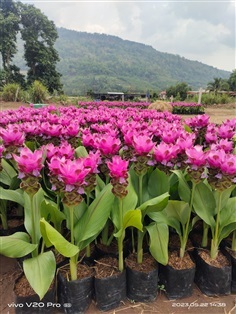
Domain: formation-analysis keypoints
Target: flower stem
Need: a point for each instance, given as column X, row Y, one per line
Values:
column 140, row 234
column 186, row 227
column 233, row 246
column 33, row 234
column 73, row 259
column 215, row 238
column 121, row 237
column 205, row 235
column 3, row 214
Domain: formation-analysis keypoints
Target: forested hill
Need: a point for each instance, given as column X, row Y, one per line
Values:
column 102, row 63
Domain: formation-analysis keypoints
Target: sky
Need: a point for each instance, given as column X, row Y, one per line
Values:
column 197, row 30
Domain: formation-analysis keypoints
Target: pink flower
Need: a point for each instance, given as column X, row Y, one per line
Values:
column 196, row 156
column 229, row 165
column 12, row 135
column 224, row 144
column 142, row 144
column 118, row 168
column 54, row 165
column 163, row 153
column 73, row 173
column 225, row 131
column 108, row 145
column 215, row 158
column 92, row 161
column 29, row 162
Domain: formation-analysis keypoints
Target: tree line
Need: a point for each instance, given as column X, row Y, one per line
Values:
column 39, row 36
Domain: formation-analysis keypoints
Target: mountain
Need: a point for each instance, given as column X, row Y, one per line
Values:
column 102, row 63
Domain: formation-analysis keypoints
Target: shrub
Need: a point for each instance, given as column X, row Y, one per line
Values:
column 11, row 92
column 161, row 106
column 38, row 92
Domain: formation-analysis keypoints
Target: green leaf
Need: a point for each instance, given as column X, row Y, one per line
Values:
column 40, row 272
column 50, row 211
column 7, row 173
column 155, row 204
column 187, row 128
column 161, row 217
column 100, row 185
column 12, row 195
column 128, row 202
column 132, row 218
column 179, row 210
column 95, row 217
column 226, row 231
column 225, row 195
column 35, row 212
column 81, row 152
column 52, row 237
column 228, row 213
column 158, row 183
column 159, row 238
column 184, row 189
column 16, row 245
column 204, row 203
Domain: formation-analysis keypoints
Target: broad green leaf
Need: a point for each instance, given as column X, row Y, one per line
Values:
column 184, row 189
column 100, row 185
column 50, row 211
column 16, row 245
column 159, row 238
column 7, row 173
column 95, row 217
column 132, row 218
column 187, row 128
column 128, row 202
column 225, row 195
column 40, row 272
column 204, row 204
column 81, row 152
column 135, row 182
column 162, row 218
column 12, row 195
column 155, row 204
column 226, row 231
column 52, row 237
column 228, row 213
column 158, row 183
column 179, row 210
column 33, row 213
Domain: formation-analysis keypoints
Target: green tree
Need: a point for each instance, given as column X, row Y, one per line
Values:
column 218, row 85
column 9, row 27
column 232, row 81
column 179, row 90
column 39, row 35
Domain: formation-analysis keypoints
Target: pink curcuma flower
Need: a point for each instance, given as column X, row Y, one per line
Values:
column 229, row 165
column 29, row 163
column 164, row 153
column 108, row 145
column 196, row 156
column 12, row 135
column 215, row 158
column 73, row 173
column 118, row 168
column 224, row 144
column 92, row 161
column 142, row 144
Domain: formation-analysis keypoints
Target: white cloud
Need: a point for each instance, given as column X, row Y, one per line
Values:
column 198, row 30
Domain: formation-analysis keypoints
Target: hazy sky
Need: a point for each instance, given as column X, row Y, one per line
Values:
column 197, row 30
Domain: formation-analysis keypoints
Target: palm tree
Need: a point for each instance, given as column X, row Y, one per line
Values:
column 218, row 85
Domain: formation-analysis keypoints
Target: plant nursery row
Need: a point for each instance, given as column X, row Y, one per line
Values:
column 115, row 201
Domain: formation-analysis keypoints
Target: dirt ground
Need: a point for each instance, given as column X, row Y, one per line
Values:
column 197, row 303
